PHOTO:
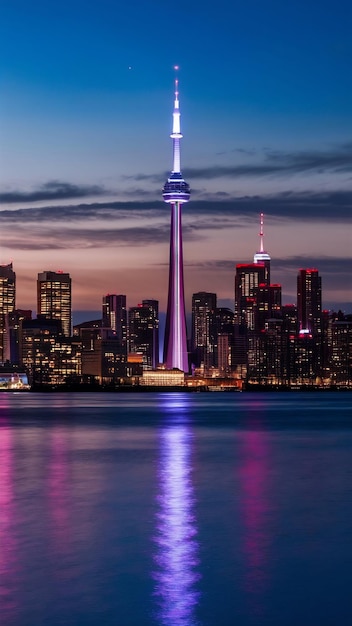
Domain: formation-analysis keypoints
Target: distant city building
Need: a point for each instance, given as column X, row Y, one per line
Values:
column 224, row 333
column 176, row 192
column 309, row 301
column 143, row 323
column 15, row 321
column 7, row 305
column 247, row 280
column 341, row 352
column 309, row 311
column 48, row 356
column 54, row 298
column 103, row 357
column 204, row 331
column 115, row 318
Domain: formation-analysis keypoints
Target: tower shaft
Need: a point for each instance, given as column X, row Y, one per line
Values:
column 176, row 192
column 175, row 344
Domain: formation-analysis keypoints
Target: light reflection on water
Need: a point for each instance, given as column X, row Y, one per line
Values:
column 255, row 509
column 222, row 509
column 176, row 548
column 58, row 485
column 9, row 569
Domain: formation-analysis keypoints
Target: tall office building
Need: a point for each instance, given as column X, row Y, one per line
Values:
column 224, row 332
column 7, row 305
column 309, row 301
column 176, row 192
column 143, row 323
column 247, row 280
column 310, row 337
column 115, row 317
column 54, row 298
column 204, row 329
column 154, row 312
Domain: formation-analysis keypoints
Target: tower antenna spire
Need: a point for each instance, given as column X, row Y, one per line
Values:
column 261, row 234
column 176, row 134
column 261, row 256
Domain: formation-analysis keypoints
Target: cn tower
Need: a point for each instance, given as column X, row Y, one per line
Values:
column 176, row 192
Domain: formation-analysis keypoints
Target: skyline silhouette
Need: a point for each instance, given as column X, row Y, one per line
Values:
column 266, row 106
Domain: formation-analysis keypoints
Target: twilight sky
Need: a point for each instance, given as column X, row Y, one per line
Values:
column 85, row 116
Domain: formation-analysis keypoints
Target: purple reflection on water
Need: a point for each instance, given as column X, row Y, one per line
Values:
column 256, row 514
column 176, row 554
column 8, row 545
column 58, row 483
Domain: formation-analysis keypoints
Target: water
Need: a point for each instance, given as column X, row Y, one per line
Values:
column 175, row 509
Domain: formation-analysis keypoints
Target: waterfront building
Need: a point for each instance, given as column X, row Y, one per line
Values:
column 48, row 356
column 162, row 378
column 54, row 298
column 176, row 192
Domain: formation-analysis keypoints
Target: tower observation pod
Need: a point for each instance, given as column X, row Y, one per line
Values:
column 176, row 192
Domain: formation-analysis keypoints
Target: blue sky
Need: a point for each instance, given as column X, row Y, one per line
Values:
column 85, row 113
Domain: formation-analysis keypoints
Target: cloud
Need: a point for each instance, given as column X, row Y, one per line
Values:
column 341, row 266
column 276, row 163
column 305, row 205
column 336, row 160
column 324, row 264
column 78, row 212
column 52, row 190
column 35, row 238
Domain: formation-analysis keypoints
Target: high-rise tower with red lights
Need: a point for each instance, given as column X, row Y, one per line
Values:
column 176, row 192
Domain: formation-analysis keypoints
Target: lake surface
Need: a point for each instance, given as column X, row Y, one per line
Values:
column 214, row 509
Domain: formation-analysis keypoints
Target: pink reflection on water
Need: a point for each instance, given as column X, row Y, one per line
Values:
column 8, row 545
column 58, row 482
column 176, row 555
column 255, row 509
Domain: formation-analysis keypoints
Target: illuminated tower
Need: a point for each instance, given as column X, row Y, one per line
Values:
column 175, row 192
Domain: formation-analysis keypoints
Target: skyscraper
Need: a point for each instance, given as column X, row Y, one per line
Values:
column 7, row 305
column 176, row 192
column 204, row 329
column 310, row 338
column 144, row 332
column 309, row 301
column 54, row 298
column 247, row 280
column 115, row 317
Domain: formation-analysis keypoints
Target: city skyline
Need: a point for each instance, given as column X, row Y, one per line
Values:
column 84, row 113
